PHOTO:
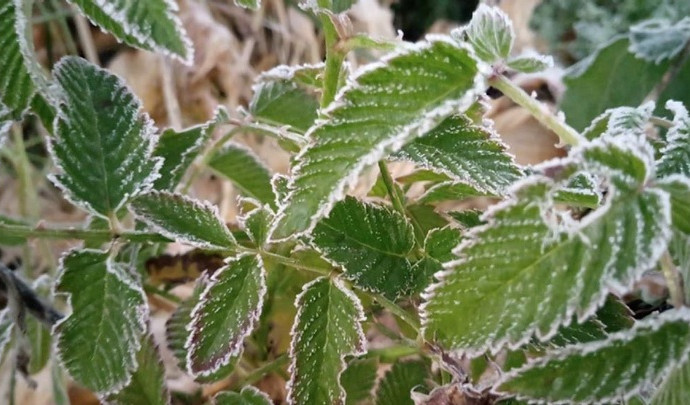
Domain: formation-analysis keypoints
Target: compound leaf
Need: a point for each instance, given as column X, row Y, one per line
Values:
column 98, row 343
column 103, row 144
column 183, row 219
column 675, row 156
column 387, row 105
column 327, row 328
column 370, row 242
column 150, row 24
column 607, row 370
column 524, row 273
column 228, row 310
column 248, row 396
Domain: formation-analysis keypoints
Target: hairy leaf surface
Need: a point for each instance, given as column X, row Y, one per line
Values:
column 248, row 396
column 358, row 380
column 490, row 32
column 675, row 389
column 676, row 154
column 16, row 86
column 282, row 102
column 396, row 385
column 241, row 166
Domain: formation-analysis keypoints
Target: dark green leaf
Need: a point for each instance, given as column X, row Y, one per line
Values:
column 241, row 166
column 248, row 396
column 396, row 385
column 358, row 380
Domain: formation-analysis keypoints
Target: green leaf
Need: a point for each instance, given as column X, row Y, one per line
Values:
column 150, row 24
column 675, row 390
column 466, row 153
column 177, row 334
column 335, row 6
column 605, row 371
column 37, row 332
column 603, row 81
column 658, row 39
column 467, row 218
column 327, row 328
column 679, row 248
column 675, row 156
column 426, row 217
column 148, row 385
column 183, row 219
column 678, row 188
column 256, row 224
column 490, row 32
column 278, row 100
column 439, row 243
column 103, row 145
column 370, row 242
column 396, row 385
column 16, row 86
column 530, row 63
column 108, row 319
column 620, row 121
column 241, row 166
column 248, row 396
column 227, row 312
column 526, row 273
column 358, row 380
column 450, row 191
column 387, row 105
column 250, row 4
column 580, row 191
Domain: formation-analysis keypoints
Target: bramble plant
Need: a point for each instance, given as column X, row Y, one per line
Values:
column 520, row 303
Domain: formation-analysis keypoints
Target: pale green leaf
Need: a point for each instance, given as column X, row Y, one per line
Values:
column 404, row 377
column 467, row 218
column 675, row 390
column 675, row 156
column 248, row 396
column 426, row 217
column 530, row 63
column 621, row 121
column 227, row 312
column 466, row 153
column 97, row 344
column 280, row 101
column 250, row 4
column 103, row 144
column 385, row 106
column 607, row 370
column 256, row 224
column 678, row 187
column 151, row 24
column 439, row 243
column 358, row 380
column 37, row 332
column 370, row 242
column 659, row 39
column 148, row 384
column 580, row 191
column 16, row 86
column 450, row 191
column 525, row 273
column 241, row 166
column 183, row 219
column 490, row 32
column 327, row 328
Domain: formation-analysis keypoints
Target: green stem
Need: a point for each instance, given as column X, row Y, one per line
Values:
column 92, row 235
column 267, row 368
column 162, row 293
column 334, row 59
column 392, row 353
column 538, row 110
column 398, row 203
column 287, row 261
column 672, row 280
column 397, row 311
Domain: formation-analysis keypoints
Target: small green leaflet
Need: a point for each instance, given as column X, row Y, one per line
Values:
column 150, row 24
column 370, row 242
column 103, row 145
column 490, row 32
column 108, row 319
column 358, row 380
column 246, row 171
column 605, row 371
column 16, row 86
column 678, row 188
column 148, row 385
column 386, row 105
column 255, row 223
column 250, row 4
column 530, row 63
column 525, row 273
column 404, row 377
column 439, row 243
column 183, row 219
column 465, row 153
column 658, row 39
column 620, row 121
column 675, row 389
column 449, row 191
column 676, row 154
column 327, row 328
column 248, row 396
column 227, row 312
column 580, row 191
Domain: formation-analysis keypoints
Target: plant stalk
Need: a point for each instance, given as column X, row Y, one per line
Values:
column 334, row 58
column 672, row 280
column 92, row 235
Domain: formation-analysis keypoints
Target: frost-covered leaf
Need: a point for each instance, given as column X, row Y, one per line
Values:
column 37, row 332
column 248, row 396
column 620, row 121
column 439, row 243
column 465, row 153
column 450, row 191
column 250, row 4
column 151, row 24
column 183, row 219
column 358, row 380
column 426, row 217
column 241, row 166
column 103, row 144
column 327, row 328
column 98, row 342
column 385, row 106
column 467, row 218
column 227, row 312
column 148, row 385
column 281, row 102
column 404, row 377
column 177, row 334
column 678, row 187
column 370, row 242
column 675, row 156
column 256, row 224
column 603, row 81
column 530, row 63
column 16, row 86
column 307, row 75
column 526, row 273
column 490, row 32
column 580, row 191
column 658, row 39
column 607, row 370
column 675, row 390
